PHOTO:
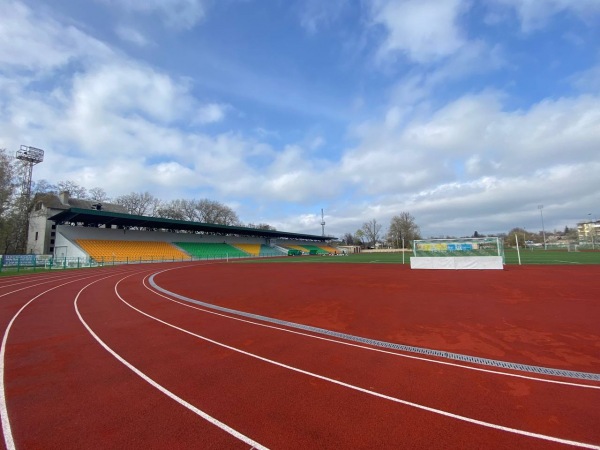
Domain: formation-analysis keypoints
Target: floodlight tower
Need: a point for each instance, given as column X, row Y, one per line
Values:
column 322, row 222
column 541, row 207
column 29, row 157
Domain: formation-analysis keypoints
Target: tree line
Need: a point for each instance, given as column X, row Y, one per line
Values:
column 146, row 204
column 14, row 212
column 402, row 230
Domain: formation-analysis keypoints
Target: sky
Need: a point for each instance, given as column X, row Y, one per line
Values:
column 468, row 114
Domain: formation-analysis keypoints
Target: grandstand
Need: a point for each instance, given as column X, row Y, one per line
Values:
column 316, row 249
column 307, row 248
column 260, row 250
column 204, row 250
column 103, row 250
column 66, row 228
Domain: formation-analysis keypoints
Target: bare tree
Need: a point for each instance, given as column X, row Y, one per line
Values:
column 207, row 211
column 403, row 226
column 7, row 181
column 97, row 194
column 179, row 209
column 371, row 231
column 214, row 212
column 171, row 210
column 74, row 189
column 140, row 204
column 261, row 226
column 10, row 213
column 359, row 237
column 43, row 187
column 348, row 239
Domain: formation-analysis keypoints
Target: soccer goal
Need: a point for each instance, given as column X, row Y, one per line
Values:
column 464, row 253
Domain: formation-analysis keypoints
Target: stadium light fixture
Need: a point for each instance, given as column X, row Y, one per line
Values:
column 541, row 208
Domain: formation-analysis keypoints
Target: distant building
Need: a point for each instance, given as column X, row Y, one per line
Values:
column 588, row 232
column 42, row 232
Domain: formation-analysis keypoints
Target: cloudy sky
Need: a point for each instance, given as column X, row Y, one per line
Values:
column 466, row 113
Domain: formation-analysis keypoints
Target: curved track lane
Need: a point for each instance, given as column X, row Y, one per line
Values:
column 101, row 360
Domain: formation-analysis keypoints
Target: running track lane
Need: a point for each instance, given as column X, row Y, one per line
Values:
column 288, row 408
column 65, row 391
column 512, row 388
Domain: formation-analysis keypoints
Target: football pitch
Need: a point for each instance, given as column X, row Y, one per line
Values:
column 536, row 256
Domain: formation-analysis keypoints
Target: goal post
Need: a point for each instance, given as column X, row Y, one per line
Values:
column 463, row 253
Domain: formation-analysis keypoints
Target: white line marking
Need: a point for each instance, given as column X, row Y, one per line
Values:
column 373, row 349
column 6, row 428
column 158, row 386
column 367, row 391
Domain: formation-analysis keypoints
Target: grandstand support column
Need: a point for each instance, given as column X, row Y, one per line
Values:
column 29, row 157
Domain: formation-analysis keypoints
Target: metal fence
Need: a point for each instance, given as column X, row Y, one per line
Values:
column 18, row 263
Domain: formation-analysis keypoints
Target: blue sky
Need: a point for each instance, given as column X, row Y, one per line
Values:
column 467, row 114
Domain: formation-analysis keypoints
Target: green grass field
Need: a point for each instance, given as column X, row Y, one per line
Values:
column 541, row 256
column 537, row 256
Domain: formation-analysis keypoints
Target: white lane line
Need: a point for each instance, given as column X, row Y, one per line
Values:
column 34, row 285
column 156, row 385
column 367, row 391
column 6, row 428
column 375, row 349
column 364, row 347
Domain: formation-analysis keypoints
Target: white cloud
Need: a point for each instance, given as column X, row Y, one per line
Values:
column 474, row 159
column 182, row 14
column 132, row 36
column 171, row 175
column 422, row 30
column 588, row 80
column 127, row 89
column 293, row 177
column 211, row 113
column 106, row 120
column 34, row 43
column 315, row 14
column 534, row 14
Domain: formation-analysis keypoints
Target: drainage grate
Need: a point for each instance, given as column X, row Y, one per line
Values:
column 391, row 345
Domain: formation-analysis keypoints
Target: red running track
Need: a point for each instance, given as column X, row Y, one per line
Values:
column 99, row 359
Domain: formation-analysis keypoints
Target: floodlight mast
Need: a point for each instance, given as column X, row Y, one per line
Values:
column 322, row 222
column 541, row 207
column 29, row 157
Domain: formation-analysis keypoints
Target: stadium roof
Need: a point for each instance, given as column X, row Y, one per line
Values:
column 91, row 217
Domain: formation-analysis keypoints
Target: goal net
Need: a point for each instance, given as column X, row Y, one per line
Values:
column 464, row 253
